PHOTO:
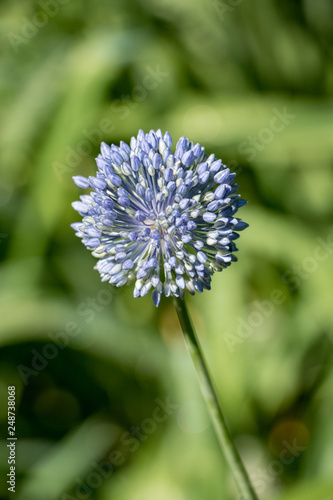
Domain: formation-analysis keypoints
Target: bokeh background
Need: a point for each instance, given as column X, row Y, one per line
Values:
column 251, row 80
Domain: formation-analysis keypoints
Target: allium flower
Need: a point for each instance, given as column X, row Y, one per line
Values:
column 164, row 220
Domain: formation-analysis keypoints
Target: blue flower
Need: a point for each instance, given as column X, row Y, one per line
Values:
column 164, row 220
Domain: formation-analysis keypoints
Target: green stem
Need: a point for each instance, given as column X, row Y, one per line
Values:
column 223, row 434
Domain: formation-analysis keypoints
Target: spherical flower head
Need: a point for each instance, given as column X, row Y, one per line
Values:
column 164, row 220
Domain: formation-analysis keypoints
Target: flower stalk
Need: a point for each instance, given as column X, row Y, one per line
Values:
column 225, row 440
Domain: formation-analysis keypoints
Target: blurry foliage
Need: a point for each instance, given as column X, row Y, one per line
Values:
column 221, row 73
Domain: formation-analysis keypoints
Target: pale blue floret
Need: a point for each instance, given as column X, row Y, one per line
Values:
column 164, row 220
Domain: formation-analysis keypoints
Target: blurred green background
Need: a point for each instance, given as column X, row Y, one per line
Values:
column 251, row 80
